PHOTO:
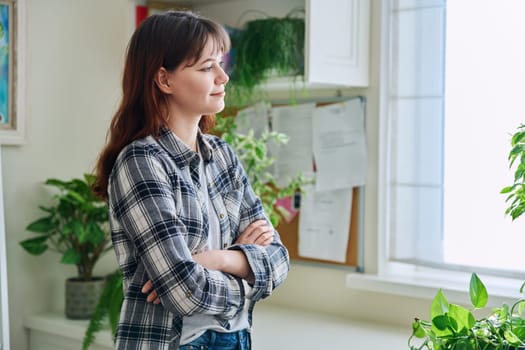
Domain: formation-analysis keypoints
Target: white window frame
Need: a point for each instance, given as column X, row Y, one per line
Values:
column 410, row 278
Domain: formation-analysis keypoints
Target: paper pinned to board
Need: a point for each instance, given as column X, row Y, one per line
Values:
column 254, row 118
column 295, row 157
column 339, row 145
column 324, row 224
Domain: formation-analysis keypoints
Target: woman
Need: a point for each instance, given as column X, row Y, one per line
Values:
column 188, row 231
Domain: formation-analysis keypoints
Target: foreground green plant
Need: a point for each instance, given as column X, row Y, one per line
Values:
column 108, row 306
column 452, row 326
column 516, row 192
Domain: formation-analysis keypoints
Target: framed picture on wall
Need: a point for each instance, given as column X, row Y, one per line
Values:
column 12, row 120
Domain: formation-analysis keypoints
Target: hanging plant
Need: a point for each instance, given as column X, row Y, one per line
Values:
column 265, row 47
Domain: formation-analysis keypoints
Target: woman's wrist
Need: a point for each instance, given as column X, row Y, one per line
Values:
column 233, row 262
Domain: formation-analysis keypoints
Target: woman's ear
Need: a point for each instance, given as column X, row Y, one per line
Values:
column 162, row 81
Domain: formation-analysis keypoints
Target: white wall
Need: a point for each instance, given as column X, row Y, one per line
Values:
column 74, row 62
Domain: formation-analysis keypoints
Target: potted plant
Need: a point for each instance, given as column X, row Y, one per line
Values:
column 454, row 327
column 76, row 226
column 264, row 48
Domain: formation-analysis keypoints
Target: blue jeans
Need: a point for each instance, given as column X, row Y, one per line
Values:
column 212, row 340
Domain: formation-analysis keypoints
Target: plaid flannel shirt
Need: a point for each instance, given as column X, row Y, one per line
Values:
column 158, row 221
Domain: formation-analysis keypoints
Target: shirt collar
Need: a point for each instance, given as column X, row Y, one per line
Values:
column 180, row 152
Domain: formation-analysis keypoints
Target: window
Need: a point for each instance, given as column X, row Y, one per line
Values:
column 455, row 72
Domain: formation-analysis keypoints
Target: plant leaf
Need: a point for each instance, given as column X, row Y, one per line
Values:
column 441, row 322
column 511, row 338
column 42, row 225
column 71, row 256
column 464, row 318
column 478, row 292
column 35, row 246
column 418, row 330
column 519, row 332
column 439, row 305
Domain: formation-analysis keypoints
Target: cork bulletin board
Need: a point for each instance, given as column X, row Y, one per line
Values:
column 290, row 237
column 289, row 232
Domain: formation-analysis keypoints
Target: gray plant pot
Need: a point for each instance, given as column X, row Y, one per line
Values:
column 82, row 297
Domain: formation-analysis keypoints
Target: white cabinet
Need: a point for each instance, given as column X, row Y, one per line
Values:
column 336, row 38
column 337, row 42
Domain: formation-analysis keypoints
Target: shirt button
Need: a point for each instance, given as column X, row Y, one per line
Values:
column 188, row 294
column 221, row 215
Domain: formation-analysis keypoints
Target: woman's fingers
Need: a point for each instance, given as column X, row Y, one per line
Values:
column 265, row 238
column 152, row 296
column 251, row 232
column 258, row 232
column 147, row 287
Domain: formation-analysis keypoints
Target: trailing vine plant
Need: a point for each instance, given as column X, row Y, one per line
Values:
column 264, row 48
column 454, row 327
column 516, row 192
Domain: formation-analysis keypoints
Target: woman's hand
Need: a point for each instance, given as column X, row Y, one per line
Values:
column 152, row 296
column 258, row 232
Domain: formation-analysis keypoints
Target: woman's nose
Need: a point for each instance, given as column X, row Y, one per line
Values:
column 222, row 78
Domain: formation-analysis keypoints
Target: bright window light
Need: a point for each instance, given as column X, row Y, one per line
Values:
column 484, row 103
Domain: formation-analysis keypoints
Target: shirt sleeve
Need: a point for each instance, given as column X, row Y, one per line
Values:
column 270, row 264
column 141, row 198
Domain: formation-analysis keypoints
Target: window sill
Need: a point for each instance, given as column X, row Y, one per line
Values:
column 425, row 283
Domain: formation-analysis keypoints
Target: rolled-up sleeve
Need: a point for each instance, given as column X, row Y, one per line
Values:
column 142, row 201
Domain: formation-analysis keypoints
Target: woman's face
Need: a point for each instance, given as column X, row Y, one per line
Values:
column 199, row 89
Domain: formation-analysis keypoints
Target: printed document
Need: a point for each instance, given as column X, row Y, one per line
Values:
column 295, row 157
column 254, row 118
column 324, row 224
column 339, row 145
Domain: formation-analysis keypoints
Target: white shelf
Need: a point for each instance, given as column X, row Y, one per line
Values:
column 53, row 331
column 275, row 327
column 294, row 83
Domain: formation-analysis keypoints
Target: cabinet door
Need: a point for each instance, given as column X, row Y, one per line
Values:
column 337, row 42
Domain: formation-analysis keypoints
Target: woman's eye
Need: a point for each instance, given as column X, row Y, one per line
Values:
column 207, row 69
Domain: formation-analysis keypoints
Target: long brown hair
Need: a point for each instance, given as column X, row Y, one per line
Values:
column 164, row 40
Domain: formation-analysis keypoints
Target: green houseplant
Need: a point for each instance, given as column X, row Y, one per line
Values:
column 516, row 192
column 454, row 327
column 263, row 48
column 76, row 226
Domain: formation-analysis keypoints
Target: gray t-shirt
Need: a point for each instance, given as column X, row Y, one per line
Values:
column 195, row 325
